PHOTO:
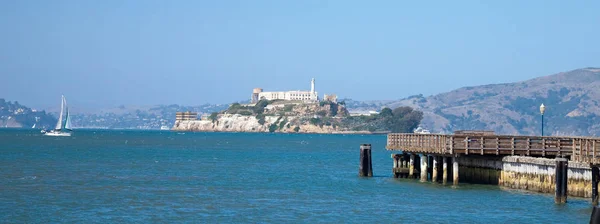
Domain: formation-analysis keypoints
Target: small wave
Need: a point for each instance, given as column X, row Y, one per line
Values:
column 28, row 178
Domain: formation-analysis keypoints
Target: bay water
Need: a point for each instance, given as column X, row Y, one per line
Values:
column 125, row 176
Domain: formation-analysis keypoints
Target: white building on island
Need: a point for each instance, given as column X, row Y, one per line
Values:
column 298, row 95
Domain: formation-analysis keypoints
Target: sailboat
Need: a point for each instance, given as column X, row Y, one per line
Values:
column 63, row 128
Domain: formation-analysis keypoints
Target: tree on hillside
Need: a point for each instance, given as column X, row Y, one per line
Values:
column 213, row 116
column 405, row 119
column 259, row 108
column 262, row 103
column 386, row 112
column 399, row 120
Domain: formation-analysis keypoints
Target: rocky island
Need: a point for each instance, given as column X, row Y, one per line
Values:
column 302, row 117
column 298, row 112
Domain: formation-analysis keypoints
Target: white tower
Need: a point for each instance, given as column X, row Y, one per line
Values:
column 312, row 85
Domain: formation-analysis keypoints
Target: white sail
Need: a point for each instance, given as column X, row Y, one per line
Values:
column 68, row 122
column 60, row 121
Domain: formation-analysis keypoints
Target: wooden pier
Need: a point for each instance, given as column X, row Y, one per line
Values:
column 495, row 159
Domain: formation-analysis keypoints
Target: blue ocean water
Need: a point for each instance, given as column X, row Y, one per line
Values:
column 100, row 176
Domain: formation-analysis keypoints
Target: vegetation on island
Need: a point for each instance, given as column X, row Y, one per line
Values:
column 400, row 120
column 257, row 109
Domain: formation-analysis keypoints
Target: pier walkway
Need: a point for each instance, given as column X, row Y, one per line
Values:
column 577, row 149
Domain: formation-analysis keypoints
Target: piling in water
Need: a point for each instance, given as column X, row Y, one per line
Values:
column 595, row 218
column 436, row 169
column 595, row 179
column 430, row 167
column 365, row 168
column 423, row 167
column 397, row 164
column 444, row 170
column 562, row 167
column 411, row 166
column 455, row 170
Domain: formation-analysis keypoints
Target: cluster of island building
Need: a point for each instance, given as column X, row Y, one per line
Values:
column 296, row 95
column 304, row 96
column 186, row 116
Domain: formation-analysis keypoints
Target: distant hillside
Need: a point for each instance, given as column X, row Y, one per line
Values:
column 15, row 115
column 571, row 100
column 137, row 117
column 355, row 106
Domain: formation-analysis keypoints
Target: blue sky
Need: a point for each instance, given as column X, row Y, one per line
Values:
column 108, row 53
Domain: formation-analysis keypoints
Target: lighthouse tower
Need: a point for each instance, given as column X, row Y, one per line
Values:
column 312, row 85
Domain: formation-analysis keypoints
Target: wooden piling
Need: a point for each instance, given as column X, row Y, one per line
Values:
column 455, row 170
column 430, row 167
column 595, row 217
column 565, row 179
column 411, row 166
column 434, row 174
column 397, row 165
column 562, row 167
column 595, row 179
column 424, row 167
column 444, row 170
column 365, row 168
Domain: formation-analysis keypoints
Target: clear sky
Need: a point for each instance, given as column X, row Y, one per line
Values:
column 108, row 53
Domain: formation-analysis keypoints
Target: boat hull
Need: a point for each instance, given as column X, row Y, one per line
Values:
column 59, row 134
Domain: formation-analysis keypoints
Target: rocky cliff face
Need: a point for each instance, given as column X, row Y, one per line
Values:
column 241, row 123
column 226, row 123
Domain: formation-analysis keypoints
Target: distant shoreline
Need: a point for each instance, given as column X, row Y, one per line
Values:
column 184, row 131
column 328, row 133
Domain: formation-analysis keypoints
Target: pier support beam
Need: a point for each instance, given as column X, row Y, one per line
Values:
column 435, row 172
column 365, row 168
column 406, row 164
column 562, row 167
column 595, row 179
column 455, row 170
column 423, row 167
column 411, row 166
column 397, row 164
column 595, row 215
column 444, row 170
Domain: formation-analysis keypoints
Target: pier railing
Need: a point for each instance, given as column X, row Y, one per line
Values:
column 578, row 149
